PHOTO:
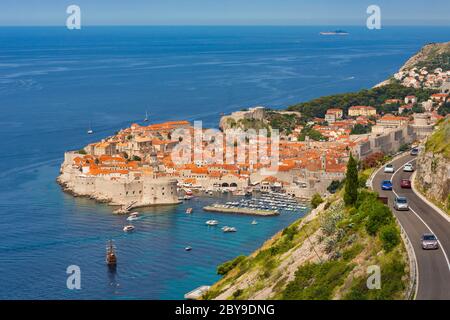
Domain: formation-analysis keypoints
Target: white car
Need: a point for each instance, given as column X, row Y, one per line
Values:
column 408, row 167
column 389, row 168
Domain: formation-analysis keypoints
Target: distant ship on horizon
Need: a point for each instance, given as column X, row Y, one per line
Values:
column 334, row 33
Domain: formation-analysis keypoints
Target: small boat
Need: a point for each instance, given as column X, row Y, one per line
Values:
column 111, row 258
column 187, row 197
column 254, row 222
column 229, row 229
column 133, row 216
column 189, row 210
column 188, row 248
column 188, row 192
column 90, row 131
column 212, row 222
column 146, row 117
column 128, row 228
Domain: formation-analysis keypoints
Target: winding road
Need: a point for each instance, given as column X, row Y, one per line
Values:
column 433, row 265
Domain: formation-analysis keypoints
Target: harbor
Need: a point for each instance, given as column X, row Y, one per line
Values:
column 231, row 209
column 266, row 204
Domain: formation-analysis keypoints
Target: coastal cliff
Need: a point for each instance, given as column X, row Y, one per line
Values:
column 427, row 59
column 325, row 255
column 433, row 166
column 433, row 55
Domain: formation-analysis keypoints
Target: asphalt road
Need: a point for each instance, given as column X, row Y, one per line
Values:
column 433, row 265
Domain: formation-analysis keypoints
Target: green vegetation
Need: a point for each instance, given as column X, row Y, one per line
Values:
column 404, row 147
column 344, row 251
column 439, row 141
column 136, row 158
column 435, row 59
column 393, row 269
column 335, row 185
column 390, row 237
column 342, row 227
column 312, row 134
column 82, row 151
column 361, row 129
column 445, row 108
column 317, row 281
column 316, row 200
column 225, row 267
column 374, row 97
column 351, row 182
column 286, row 123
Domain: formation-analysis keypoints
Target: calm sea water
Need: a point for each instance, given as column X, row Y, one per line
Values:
column 54, row 82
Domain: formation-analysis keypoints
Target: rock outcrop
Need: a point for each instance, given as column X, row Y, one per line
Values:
column 433, row 166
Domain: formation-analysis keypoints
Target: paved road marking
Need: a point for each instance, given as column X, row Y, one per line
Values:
column 440, row 245
column 417, row 275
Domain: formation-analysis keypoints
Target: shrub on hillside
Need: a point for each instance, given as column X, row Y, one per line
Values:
column 390, row 237
column 225, row 267
column 378, row 215
column 316, row 200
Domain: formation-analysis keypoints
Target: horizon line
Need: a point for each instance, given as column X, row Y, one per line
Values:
column 227, row 25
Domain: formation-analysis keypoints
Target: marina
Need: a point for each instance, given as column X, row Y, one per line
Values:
column 267, row 204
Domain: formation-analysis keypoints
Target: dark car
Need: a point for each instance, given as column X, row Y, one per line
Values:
column 405, row 184
column 429, row 242
column 414, row 151
column 386, row 185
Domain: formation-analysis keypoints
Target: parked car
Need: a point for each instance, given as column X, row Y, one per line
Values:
column 401, row 203
column 405, row 184
column 386, row 185
column 408, row 167
column 389, row 168
column 429, row 242
column 414, row 151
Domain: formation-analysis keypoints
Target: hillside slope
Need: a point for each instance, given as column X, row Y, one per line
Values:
column 431, row 56
column 324, row 256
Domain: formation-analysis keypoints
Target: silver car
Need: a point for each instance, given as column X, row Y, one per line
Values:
column 429, row 242
column 401, row 203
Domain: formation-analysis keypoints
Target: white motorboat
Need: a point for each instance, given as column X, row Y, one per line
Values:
column 133, row 216
column 254, row 222
column 229, row 229
column 128, row 228
column 212, row 222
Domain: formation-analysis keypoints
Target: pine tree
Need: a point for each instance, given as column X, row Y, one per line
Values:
column 351, row 182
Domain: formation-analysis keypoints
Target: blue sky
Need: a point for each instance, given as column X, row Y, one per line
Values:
column 225, row 12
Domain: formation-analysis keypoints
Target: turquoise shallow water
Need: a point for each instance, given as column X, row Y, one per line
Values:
column 53, row 82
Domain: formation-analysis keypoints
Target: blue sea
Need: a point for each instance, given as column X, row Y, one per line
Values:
column 55, row 83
